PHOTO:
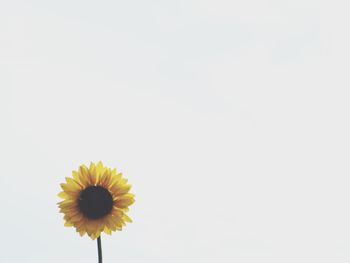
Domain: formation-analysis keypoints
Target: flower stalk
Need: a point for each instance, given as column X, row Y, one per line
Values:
column 99, row 249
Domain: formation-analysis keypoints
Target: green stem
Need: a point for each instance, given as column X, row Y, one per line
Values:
column 99, row 248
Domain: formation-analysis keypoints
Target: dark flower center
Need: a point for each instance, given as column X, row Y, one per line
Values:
column 95, row 202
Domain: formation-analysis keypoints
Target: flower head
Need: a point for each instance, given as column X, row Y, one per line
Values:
column 96, row 199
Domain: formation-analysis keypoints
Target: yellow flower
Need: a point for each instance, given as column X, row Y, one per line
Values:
column 96, row 200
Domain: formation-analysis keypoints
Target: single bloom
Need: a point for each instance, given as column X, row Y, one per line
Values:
column 96, row 199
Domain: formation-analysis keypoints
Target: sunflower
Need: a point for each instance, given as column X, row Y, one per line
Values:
column 96, row 199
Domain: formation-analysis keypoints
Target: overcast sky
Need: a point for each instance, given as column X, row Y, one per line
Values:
column 229, row 118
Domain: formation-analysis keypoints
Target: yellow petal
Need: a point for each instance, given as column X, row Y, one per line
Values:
column 124, row 203
column 117, row 221
column 63, row 195
column 78, row 178
column 70, row 188
column 92, row 174
column 116, row 212
column 124, row 200
column 127, row 219
column 92, row 225
column 81, row 224
column 107, row 231
column 73, row 182
column 122, row 190
column 77, row 217
column 100, row 169
column 68, row 224
column 68, row 204
column 105, row 179
column 84, row 171
column 71, row 212
column 114, row 172
column 115, row 178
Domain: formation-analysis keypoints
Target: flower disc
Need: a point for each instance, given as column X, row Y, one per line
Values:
column 96, row 199
column 95, row 202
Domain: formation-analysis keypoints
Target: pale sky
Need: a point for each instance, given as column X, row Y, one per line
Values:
column 229, row 118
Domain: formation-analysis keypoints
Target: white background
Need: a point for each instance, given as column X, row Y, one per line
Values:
column 230, row 119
